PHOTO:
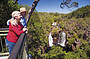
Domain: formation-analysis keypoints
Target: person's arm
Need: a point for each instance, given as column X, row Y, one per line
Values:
column 8, row 22
column 12, row 21
column 16, row 30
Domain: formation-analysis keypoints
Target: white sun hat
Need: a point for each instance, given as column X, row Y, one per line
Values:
column 15, row 13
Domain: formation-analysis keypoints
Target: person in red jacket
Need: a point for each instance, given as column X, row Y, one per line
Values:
column 14, row 31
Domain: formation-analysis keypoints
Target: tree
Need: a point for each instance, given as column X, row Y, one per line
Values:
column 6, row 8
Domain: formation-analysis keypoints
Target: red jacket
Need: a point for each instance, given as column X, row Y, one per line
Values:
column 14, row 32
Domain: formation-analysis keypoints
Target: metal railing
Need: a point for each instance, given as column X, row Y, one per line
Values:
column 3, row 34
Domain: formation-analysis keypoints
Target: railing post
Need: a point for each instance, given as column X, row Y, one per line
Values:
column 1, row 45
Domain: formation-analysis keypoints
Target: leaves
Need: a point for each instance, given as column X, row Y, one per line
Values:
column 6, row 8
column 40, row 25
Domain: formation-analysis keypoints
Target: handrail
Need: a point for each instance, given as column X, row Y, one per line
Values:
column 2, row 29
column 18, row 49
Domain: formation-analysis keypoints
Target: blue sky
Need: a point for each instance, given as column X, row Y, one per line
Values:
column 53, row 5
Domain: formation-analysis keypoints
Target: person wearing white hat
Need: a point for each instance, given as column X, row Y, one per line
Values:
column 23, row 20
column 14, row 31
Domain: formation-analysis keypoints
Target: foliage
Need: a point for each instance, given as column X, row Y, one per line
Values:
column 39, row 27
column 6, row 8
column 80, row 13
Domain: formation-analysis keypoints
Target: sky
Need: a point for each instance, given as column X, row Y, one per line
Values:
column 54, row 5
